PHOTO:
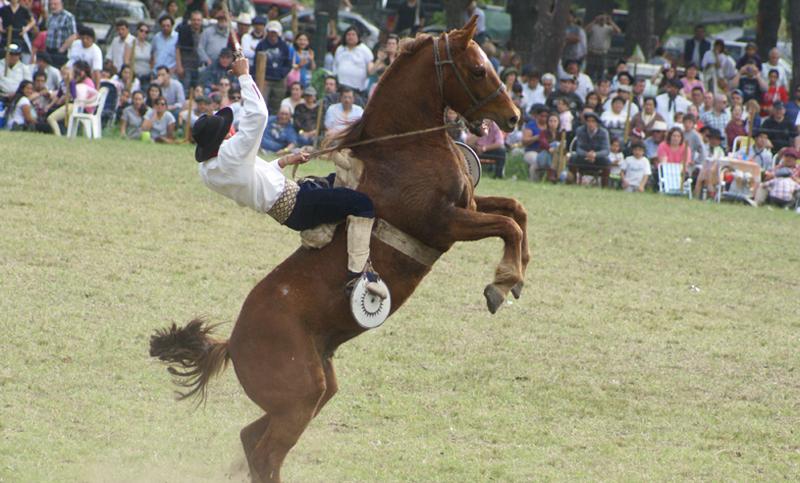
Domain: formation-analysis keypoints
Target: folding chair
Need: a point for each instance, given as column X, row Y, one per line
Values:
column 91, row 123
column 671, row 182
column 740, row 141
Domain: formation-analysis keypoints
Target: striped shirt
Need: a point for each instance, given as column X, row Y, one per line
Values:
column 59, row 27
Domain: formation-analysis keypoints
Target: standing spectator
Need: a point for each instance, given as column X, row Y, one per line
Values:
column 304, row 57
column 583, row 81
column 645, row 119
column 212, row 77
column 793, row 106
column 410, row 17
column 279, row 135
column 213, row 39
column 164, row 44
column 775, row 92
column 718, row 118
column 480, row 29
column 690, row 81
column 695, row 48
column 774, row 62
column 708, row 177
column 591, row 149
column 670, row 103
column 341, row 115
column 720, row 66
column 490, row 145
column 635, row 169
column 305, row 118
column 694, row 141
column 351, row 61
column 750, row 57
column 10, row 81
column 780, row 130
column 61, row 31
column 121, row 43
column 130, row 123
column 251, row 39
column 187, row 59
column 87, row 51
column 140, row 53
column 171, row 10
column 171, row 89
column 52, row 73
column 599, row 33
column 196, row 6
column 575, row 38
column 279, row 63
column 160, row 123
column 532, row 90
column 21, row 20
column 748, row 80
column 243, row 25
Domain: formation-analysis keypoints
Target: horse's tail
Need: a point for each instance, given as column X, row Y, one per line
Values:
column 193, row 357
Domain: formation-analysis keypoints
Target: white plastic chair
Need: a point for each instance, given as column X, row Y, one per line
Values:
column 740, row 141
column 670, row 182
column 92, row 123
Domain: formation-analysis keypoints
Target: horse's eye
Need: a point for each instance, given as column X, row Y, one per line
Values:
column 478, row 72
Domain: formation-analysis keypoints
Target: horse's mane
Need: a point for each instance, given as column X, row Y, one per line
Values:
column 407, row 48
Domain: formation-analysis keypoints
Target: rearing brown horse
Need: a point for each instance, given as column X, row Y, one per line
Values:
column 294, row 319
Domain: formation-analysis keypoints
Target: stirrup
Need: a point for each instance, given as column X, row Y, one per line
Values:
column 370, row 300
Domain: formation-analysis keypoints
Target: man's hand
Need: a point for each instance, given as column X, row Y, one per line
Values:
column 240, row 67
column 297, row 158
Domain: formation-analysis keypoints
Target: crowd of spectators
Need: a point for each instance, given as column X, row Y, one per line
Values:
column 592, row 120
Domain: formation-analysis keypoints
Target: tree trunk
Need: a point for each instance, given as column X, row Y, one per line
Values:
column 547, row 41
column 325, row 11
column 667, row 13
column 523, row 25
column 794, row 23
column 767, row 24
column 641, row 27
column 454, row 12
column 739, row 6
column 597, row 7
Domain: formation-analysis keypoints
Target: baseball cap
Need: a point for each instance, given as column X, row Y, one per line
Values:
column 778, row 105
column 260, row 21
column 791, row 152
column 659, row 126
column 309, row 91
column 14, row 49
column 274, row 26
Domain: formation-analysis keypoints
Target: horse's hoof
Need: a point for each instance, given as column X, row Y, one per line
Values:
column 494, row 297
column 516, row 290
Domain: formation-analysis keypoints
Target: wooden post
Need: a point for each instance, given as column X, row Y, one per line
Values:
column 261, row 70
column 627, row 131
column 320, row 109
column 67, row 98
column 294, row 20
column 8, row 47
column 187, row 128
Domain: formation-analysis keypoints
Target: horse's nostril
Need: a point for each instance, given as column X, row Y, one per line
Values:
column 513, row 120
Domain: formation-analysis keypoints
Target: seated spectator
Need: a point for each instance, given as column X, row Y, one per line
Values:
column 211, row 77
column 690, row 81
column 550, row 157
column 793, row 107
column 782, row 189
column 748, row 80
column 21, row 114
column 635, row 169
column 490, row 145
column 548, row 86
column 130, row 123
column 591, row 149
column 737, row 99
column 653, row 141
column 153, row 93
column 603, row 89
column 789, row 158
column 565, row 115
column 532, row 89
column 295, row 97
column 614, row 119
column 87, row 50
column 718, row 118
column 675, row 150
column 279, row 134
column 752, row 110
column 670, row 102
column 708, row 177
column 531, row 139
column 645, row 119
column 775, row 92
column 127, row 80
column 695, row 143
column 330, row 93
column 199, row 107
column 780, row 130
column 593, row 103
column 81, row 90
column 750, row 57
column 160, row 123
column 735, row 127
column 697, row 98
column 171, row 89
column 16, row 73
column 43, row 65
column 341, row 115
column 566, row 93
column 759, row 152
column 305, row 118
column 583, row 82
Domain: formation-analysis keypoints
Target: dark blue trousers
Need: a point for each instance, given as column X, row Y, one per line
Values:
column 318, row 204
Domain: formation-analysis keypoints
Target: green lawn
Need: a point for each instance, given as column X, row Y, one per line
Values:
column 609, row 368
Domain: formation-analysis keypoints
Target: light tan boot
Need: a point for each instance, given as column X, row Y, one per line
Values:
column 359, row 233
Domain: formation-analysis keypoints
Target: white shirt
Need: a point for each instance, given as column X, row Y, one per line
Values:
column 726, row 69
column 663, row 107
column 238, row 172
column 533, row 96
column 116, row 51
column 336, row 119
column 584, row 87
column 249, row 44
column 92, row 56
column 18, row 117
column 350, row 65
column 607, row 106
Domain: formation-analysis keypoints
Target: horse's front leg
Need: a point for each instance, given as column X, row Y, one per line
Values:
column 512, row 208
column 467, row 225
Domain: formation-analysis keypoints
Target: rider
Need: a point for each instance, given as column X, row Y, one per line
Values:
column 230, row 166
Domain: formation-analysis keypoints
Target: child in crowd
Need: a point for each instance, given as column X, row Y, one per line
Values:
column 782, row 190
column 615, row 157
column 635, row 169
column 564, row 115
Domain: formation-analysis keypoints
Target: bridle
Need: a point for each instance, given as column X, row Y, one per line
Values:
column 439, row 64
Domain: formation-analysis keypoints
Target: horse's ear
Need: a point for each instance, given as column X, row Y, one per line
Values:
column 469, row 29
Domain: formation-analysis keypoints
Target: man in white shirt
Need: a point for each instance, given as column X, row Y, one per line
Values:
column 668, row 103
column 86, row 50
column 341, row 115
column 11, row 78
column 585, row 86
column 230, row 165
column 532, row 90
column 774, row 63
column 124, row 39
column 251, row 39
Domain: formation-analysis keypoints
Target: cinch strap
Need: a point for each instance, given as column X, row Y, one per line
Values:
column 404, row 243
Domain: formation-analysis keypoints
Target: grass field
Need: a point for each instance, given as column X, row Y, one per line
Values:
column 609, row 368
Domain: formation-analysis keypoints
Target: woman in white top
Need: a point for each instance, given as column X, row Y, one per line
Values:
column 127, row 80
column 138, row 54
column 22, row 114
column 295, row 97
column 352, row 60
column 718, row 64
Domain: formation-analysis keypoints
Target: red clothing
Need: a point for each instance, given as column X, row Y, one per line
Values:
column 732, row 130
column 774, row 93
column 680, row 155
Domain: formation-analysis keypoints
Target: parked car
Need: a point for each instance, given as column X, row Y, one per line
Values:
column 102, row 14
column 284, row 6
column 306, row 23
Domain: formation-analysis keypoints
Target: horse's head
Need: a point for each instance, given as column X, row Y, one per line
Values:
column 472, row 87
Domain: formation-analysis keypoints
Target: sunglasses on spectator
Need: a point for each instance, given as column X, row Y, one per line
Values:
column 235, row 98
column 144, row 30
column 162, row 103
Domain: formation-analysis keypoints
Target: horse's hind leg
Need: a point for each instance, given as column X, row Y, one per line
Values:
column 250, row 435
column 513, row 209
